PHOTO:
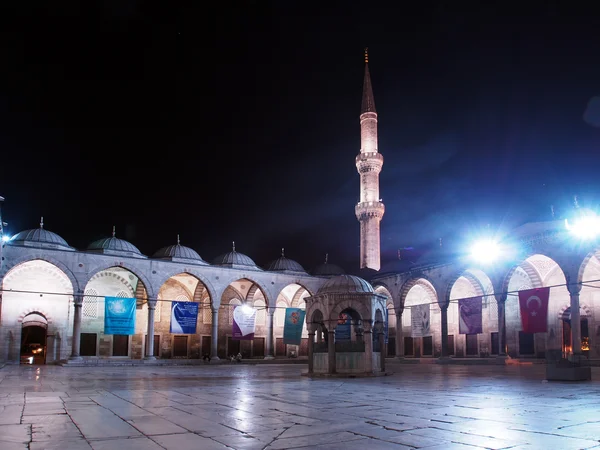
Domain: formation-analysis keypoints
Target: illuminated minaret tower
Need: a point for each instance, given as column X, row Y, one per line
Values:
column 369, row 162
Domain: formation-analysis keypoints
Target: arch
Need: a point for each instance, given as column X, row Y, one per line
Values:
column 565, row 312
column 423, row 282
column 36, row 319
column 233, row 278
column 39, row 311
column 316, row 320
column 123, row 265
column 21, row 263
column 360, row 309
column 301, row 293
column 202, row 280
column 587, row 260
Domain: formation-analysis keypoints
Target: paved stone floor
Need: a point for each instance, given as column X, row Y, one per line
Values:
column 272, row 406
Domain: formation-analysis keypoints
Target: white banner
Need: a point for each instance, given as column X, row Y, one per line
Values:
column 420, row 324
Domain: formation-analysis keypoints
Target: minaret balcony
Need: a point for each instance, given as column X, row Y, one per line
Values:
column 369, row 162
column 367, row 210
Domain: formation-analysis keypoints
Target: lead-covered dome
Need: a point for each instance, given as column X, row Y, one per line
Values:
column 346, row 284
column 235, row 260
column 40, row 238
column 327, row 269
column 179, row 253
column 115, row 246
column 283, row 264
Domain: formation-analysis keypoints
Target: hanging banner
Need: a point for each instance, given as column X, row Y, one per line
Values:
column 292, row 327
column 419, row 326
column 470, row 321
column 343, row 330
column 244, row 318
column 534, row 309
column 119, row 315
column 184, row 317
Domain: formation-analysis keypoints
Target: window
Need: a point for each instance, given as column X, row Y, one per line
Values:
column 409, row 349
column 472, row 348
column 495, row 343
column 90, row 304
column 526, row 343
column 428, row 346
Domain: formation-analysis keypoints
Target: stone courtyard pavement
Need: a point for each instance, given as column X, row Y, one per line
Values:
column 244, row 406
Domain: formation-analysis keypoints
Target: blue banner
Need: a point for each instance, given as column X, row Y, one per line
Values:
column 119, row 315
column 292, row 328
column 343, row 330
column 184, row 317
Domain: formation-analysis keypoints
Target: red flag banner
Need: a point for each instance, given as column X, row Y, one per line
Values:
column 534, row 309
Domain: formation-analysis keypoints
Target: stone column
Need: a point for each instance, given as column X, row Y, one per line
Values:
column 214, row 352
column 78, row 303
column 150, row 331
column 311, row 349
column 368, row 327
column 501, row 301
column 574, row 291
column 270, row 347
column 382, row 349
column 331, row 352
column 399, row 334
column 444, row 319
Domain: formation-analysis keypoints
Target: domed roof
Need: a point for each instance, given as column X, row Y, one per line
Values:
column 346, row 284
column 235, row 260
column 115, row 246
column 327, row 269
column 39, row 238
column 283, row 264
column 179, row 253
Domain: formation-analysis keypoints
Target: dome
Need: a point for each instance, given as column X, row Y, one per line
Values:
column 179, row 253
column 346, row 284
column 327, row 269
column 115, row 246
column 235, row 260
column 283, row 264
column 39, row 238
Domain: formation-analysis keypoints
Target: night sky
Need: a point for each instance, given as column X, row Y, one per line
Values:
column 240, row 122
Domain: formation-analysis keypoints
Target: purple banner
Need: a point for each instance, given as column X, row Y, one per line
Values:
column 243, row 323
column 469, row 310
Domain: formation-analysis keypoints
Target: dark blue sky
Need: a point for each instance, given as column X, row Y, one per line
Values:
column 240, row 122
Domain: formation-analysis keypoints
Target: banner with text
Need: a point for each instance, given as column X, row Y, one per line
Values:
column 292, row 327
column 470, row 321
column 244, row 319
column 119, row 315
column 184, row 317
column 419, row 324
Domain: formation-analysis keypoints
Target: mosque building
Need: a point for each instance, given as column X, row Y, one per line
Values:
column 52, row 297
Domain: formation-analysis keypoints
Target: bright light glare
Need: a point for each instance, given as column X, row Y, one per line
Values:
column 5, row 238
column 246, row 307
column 584, row 227
column 485, row 251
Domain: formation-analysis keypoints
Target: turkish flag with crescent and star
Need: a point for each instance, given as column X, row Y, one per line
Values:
column 534, row 309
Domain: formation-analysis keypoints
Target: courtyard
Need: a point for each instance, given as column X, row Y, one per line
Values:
column 273, row 406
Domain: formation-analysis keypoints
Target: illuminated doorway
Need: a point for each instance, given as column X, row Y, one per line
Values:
column 567, row 347
column 33, row 339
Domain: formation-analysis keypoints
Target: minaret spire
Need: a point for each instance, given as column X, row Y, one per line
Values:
column 368, row 101
column 369, row 162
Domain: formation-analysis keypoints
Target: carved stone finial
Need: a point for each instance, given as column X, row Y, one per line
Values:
column 366, row 55
column 282, row 252
column 233, row 245
column 326, row 257
column 178, row 241
column 42, row 223
column 114, row 231
column 575, row 201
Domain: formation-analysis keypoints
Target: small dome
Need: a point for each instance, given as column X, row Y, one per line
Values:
column 327, row 269
column 283, row 264
column 39, row 238
column 180, row 253
column 346, row 284
column 234, row 260
column 115, row 246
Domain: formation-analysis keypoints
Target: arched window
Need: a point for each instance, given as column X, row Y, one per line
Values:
column 90, row 304
column 261, row 311
column 232, row 304
column 280, row 314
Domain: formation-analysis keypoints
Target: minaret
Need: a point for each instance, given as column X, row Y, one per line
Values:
column 369, row 162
